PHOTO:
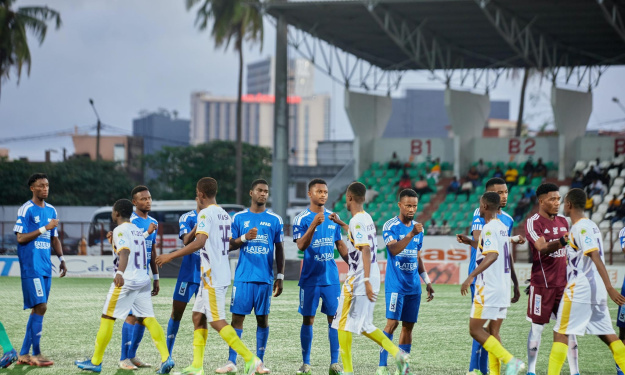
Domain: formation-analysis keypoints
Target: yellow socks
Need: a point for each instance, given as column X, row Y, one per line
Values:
column 618, row 351
column 230, row 336
column 557, row 357
column 156, row 331
column 494, row 365
column 102, row 339
column 199, row 344
column 494, row 348
column 345, row 342
column 380, row 338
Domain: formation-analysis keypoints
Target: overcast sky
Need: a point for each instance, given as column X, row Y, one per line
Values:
column 146, row 54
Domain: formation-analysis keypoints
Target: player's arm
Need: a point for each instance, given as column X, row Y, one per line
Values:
column 342, row 248
column 395, row 247
column 614, row 294
column 200, row 240
column 156, row 286
column 121, row 266
column 426, row 279
column 515, row 282
column 236, row 243
column 187, row 238
column 24, row 238
column 339, row 243
column 366, row 266
column 304, row 241
column 58, row 249
column 464, row 239
column 546, row 248
column 280, row 264
column 490, row 258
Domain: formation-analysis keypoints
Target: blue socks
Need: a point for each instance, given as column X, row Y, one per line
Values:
column 232, row 356
column 262, row 335
column 126, row 340
column 172, row 331
column 27, row 337
column 306, row 337
column 384, row 353
column 137, row 335
column 405, row 347
column 479, row 358
column 333, row 336
column 35, row 332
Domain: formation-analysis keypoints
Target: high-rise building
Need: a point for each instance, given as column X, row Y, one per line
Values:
column 160, row 129
column 300, row 77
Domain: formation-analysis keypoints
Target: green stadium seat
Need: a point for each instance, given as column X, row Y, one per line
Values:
column 425, row 199
column 445, row 166
column 375, row 165
column 450, row 198
column 461, row 198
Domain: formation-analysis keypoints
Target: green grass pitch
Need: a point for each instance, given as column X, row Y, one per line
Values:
column 441, row 338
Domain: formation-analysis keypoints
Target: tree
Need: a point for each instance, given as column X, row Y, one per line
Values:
column 14, row 51
column 233, row 20
column 179, row 169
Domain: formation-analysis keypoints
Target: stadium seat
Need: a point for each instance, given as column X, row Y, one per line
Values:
column 461, row 198
column 597, row 199
column 580, row 165
column 604, row 225
column 619, row 181
column 613, row 173
column 597, row 217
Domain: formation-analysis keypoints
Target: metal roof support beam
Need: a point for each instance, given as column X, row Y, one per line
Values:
column 614, row 17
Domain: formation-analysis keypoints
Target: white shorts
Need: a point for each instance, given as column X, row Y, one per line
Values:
column 354, row 314
column 120, row 301
column 211, row 302
column 576, row 318
column 479, row 311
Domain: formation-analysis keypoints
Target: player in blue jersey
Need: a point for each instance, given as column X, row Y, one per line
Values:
column 479, row 356
column 132, row 333
column 9, row 354
column 36, row 235
column 316, row 236
column 620, row 317
column 188, row 277
column 256, row 231
column 403, row 237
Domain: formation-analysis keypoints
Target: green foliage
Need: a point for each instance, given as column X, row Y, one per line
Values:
column 180, row 168
column 76, row 182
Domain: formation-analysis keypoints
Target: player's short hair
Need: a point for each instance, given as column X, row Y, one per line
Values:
column 316, row 181
column 546, row 188
column 208, row 186
column 492, row 200
column 258, row 182
column 124, row 208
column 357, row 190
column 577, row 197
column 408, row 193
column 138, row 189
column 495, row 181
column 35, row 177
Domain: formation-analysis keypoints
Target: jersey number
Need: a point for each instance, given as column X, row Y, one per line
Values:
column 506, row 255
column 225, row 238
column 140, row 257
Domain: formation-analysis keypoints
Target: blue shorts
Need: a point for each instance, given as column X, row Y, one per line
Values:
column 36, row 291
column 309, row 299
column 184, row 290
column 403, row 307
column 620, row 317
column 247, row 296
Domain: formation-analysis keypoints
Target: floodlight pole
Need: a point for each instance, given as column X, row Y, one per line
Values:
column 279, row 176
column 97, row 142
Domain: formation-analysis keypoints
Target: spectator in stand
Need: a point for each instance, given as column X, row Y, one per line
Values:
column 394, row 163
column 620, row 213
column 454, row 186
column 590, row 205
column 473, row 176
column 435, row 171
column 405, row 182
column 530, row 194
column 433, row 228
column 498, row 172
column 578, row 181
column 596, row 188
column 421, row 187
column 370, row 194
column 466, row 187
column 540, row 170
column 528, row 168
column 482, row 168
column 511, row 176
column 444, row 229
column 613, row 204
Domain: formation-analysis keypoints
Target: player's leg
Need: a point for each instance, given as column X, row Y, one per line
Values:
column 573, row 318
column 572, row 355
column 410, row 314
column 346, row 323
column 477, row 351
column 138, row 330
column 620, row 323
column 308, row 303
column 345, row 342
column 616, row 347
column 127, row 329
column 540, row 304
column 494, row 364
column 241, row 305
column 9, row 354
column 394, row 305
column 262, row 305
column 103, row 337
column 182, row 295
column 38, row 290
column 330, row 297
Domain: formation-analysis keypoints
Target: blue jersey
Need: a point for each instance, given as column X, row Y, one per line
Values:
column 319, row 267
column 256, row 256
column 621, row 237
column 34, row 256
column 150, row 241
column 402, row 270
column 190, row 266
column 478, row 223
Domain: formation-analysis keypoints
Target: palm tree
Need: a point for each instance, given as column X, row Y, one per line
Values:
column 232, row 21
column 14, row 51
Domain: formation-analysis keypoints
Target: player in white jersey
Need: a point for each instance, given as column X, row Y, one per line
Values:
column 212, row 238
column 492, row 287
column 584, row 306
column 360, row 289
column 130, row 290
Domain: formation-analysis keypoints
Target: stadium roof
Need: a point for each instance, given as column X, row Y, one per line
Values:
column 466, row 34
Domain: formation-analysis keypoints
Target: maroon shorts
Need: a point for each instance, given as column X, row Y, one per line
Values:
column 543, row 303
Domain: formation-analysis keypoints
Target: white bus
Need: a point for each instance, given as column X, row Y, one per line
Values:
column 166, row 213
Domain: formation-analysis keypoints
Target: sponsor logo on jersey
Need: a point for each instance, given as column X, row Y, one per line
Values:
column 183, row 288
column 392, row 306
column 555, row 230
column 488, row 233
column 264, row 223
column 246, row 224
column 38, row 287
column 332, row 227
column 324, row 257
column 547, row 231
column 563, row 229
column 234, row 292
column 487, row 243
column 587, row 240
column 359, row 235
column 584, row 231
column 37, row 220
column 537, row 304
column 409, row 267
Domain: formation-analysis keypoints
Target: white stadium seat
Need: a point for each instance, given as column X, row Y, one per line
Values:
column 602, row 208
column 597, row 217
column 615, row 190
column 605, row 224
column 580, row 165
column 619, row 181
column 613, row 173
column 604, row 164
column 623, row 173
column 597, row 199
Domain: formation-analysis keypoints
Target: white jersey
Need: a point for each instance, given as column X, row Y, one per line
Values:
column 129, row 236
column 362, row 233
column 215, row 223
column 492, row 286
column 584, row 284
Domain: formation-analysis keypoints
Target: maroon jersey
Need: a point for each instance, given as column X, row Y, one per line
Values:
column 548, row 271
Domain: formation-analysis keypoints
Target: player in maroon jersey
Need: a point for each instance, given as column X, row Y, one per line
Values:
column 546, row 233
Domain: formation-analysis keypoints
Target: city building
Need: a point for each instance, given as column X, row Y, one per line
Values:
column 300, row 77
column 159, row 129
